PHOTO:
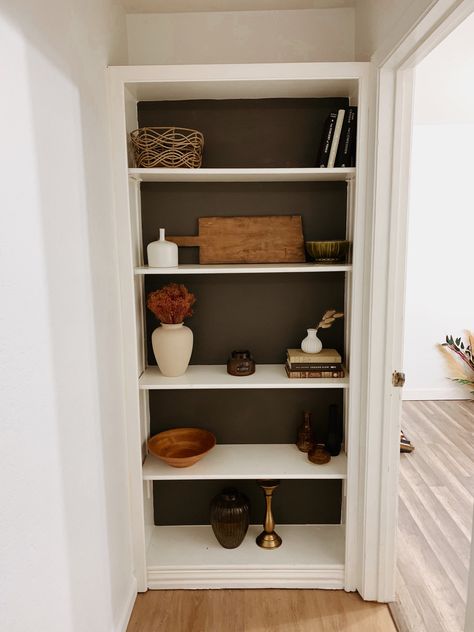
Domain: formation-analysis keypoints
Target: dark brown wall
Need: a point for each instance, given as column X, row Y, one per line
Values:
column 295, row 502
column 264, row 313
column 177, row 207
column 244, row 416
column 249, row 132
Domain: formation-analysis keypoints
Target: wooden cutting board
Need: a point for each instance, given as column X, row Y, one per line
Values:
column 263, row 239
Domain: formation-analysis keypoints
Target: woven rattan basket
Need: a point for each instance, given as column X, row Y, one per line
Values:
column 167, row 147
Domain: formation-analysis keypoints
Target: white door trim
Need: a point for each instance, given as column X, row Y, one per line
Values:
column 388, row 194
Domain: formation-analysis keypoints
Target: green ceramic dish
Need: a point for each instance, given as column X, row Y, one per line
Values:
column 328, row 251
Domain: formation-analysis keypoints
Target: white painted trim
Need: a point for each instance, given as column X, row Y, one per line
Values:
column 124, row 619
column 392, row 138
column 435, row 394
column 173, row 579
column 130, row 354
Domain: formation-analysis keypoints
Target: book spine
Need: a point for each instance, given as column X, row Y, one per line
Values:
column 314, row 374
column 335, row 139
column 313, row 366
column 326, row 140
column 347, row 147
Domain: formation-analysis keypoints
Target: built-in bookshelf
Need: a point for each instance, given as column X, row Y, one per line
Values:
column 331, row 202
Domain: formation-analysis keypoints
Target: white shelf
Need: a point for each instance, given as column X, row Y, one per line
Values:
column 248, row 461
column 311, row 556
column 215, row 376
column 251, row 268
column 242, row 175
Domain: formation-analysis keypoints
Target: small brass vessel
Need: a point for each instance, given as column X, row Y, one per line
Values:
column 268, row 539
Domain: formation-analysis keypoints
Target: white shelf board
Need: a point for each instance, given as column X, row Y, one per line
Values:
column 311, row 556
column 242, row 175
column 248, row 461
column 215, row 376
column 250, row 268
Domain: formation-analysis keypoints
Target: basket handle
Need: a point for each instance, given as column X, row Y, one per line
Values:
column 185, row 241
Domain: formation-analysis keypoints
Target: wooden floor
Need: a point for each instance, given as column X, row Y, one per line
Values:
column 257, row 611
column 435, row 516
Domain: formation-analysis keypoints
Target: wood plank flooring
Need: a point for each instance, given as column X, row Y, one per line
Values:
column 435, row 516
column 257, row 611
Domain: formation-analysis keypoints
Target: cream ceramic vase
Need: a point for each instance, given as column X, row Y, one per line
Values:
column 172, row 346
column 311, row 344
column 162, row 253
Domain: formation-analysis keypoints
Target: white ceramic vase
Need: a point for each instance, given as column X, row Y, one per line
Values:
column 172, row 346
column 162, row 253
column 311, row 344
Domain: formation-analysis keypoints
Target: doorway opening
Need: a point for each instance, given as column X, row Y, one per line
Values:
column 436, row 470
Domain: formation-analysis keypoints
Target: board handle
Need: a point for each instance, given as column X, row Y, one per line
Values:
column 185, row 241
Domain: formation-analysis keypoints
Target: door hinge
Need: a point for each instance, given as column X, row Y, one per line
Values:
column 398, row 378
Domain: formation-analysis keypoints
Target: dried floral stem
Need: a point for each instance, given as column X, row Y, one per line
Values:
column 171, row 304
column 328, row 319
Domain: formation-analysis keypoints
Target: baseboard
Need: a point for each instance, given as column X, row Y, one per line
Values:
column 124, row 619
column 452, row 392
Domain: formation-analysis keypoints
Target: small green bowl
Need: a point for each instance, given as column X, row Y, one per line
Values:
column 328, row 251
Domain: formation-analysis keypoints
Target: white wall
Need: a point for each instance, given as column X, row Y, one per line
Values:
column 241, row 37
column 65, row 552
column 381, row 24
column 439, row 296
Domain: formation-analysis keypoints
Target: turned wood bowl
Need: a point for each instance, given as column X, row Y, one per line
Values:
column 181, row 447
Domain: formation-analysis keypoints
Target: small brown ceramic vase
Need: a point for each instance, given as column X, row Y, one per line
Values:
column 318, row 454
column 241, row 363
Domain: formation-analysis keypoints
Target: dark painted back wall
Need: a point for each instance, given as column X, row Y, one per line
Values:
column 248, row 132
column 264, row 313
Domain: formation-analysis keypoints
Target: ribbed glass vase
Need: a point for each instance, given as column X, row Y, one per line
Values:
column 230, row 517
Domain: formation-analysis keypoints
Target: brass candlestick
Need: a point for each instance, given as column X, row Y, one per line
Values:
column 268, row 539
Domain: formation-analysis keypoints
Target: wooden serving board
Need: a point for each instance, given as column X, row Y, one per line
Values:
column 263, row 239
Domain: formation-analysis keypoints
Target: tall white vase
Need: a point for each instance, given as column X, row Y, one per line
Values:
column 311, row 344
column 162, row 253
column 172, row 346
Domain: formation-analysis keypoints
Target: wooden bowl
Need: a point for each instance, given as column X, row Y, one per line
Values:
column 328, row 251
column 181, row 447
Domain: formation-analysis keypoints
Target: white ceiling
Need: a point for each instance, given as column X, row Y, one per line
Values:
column 189, row 6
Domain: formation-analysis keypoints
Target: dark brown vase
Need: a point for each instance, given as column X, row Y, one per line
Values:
column 230, row 517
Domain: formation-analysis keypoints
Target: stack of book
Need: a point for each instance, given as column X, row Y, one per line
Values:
column 338, row 140
column 326, row 363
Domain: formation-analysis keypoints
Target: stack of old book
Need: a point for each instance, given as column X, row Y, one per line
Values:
column 326, row 363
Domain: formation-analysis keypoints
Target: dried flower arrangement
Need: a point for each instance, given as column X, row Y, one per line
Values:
column 462, row 362
column 171, row 304
column 328, row 318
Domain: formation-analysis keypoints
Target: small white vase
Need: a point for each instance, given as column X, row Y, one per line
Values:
column 311, row 344
column 162, row 253
column 172, row 346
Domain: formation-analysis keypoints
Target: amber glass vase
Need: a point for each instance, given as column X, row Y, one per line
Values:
column 230, row 517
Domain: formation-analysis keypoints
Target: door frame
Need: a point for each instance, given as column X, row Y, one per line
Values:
column 388, row 190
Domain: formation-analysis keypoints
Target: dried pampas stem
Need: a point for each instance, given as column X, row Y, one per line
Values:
column 328, row 318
